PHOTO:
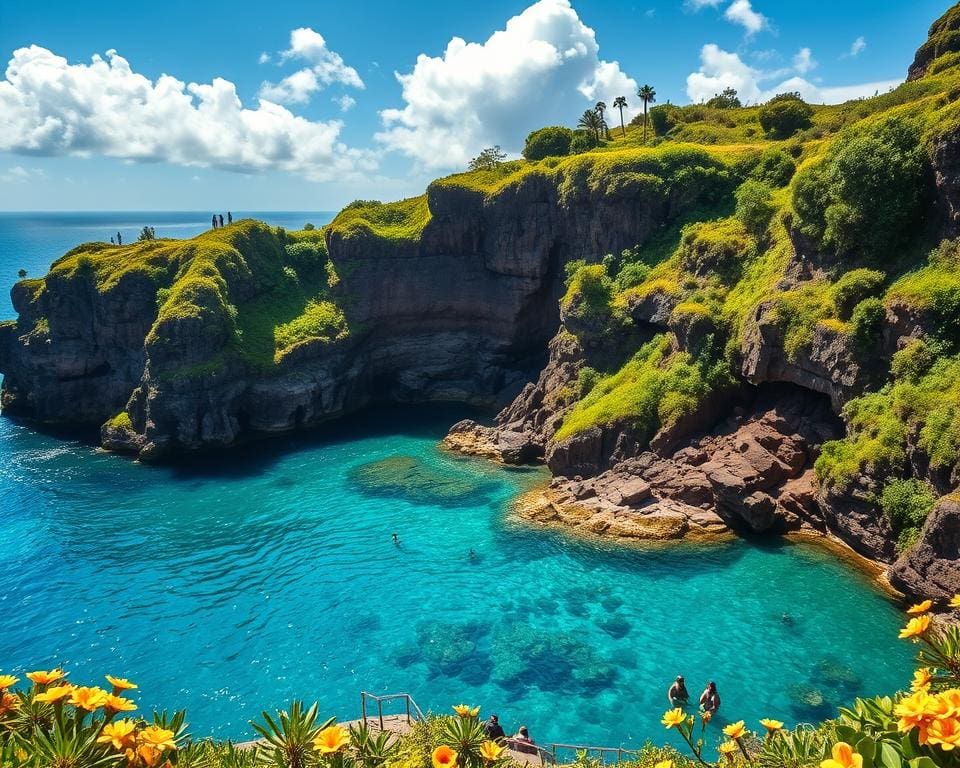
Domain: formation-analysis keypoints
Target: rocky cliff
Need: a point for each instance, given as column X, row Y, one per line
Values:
column 720, row 333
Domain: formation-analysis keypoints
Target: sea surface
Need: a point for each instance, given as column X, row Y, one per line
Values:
column 233, row 584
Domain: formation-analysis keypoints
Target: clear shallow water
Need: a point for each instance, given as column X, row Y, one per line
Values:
column 232, row 585
column 270, row 574
column 32, row 241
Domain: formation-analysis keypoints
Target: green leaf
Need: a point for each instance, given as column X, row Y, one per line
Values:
column 888, row 757
column 922, row 762
column 867, row 747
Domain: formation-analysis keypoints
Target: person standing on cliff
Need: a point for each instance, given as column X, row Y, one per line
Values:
column 119, row 239
column 221, row 219
column 213, row 220
column 229, row 218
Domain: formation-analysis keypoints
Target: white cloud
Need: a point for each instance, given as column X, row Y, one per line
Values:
column 326, row 67
column 51, row 107
column 721, row 69
column 857, row 46
column 741, row 12
column 543, row 68
column 264, row 58
column 803, row 62
column 345, row 102
column 18, row 174
column 696, row 5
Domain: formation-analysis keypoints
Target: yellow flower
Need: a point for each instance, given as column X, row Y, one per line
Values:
column 56, row 693
column 727, row 749
column 955, row 601
column 118, row 704
column 706, row 717
column 331, row 739
column 119, row 733
column 8, row 703
column 490, row 751
column 673, row 718
column 919, row 608
column 918, row 710
column 915, row 627
column 921, row 680
column 120, row 684
column 444, row 757
column 157, row 737
column 89, row 699
column 664, row 764
column 736, row 730
column 148, row 753
column 772, row 726
column 951, row 701
column 464, row 711
column 41, row 677
column 843, row 757
column 8, row 681
column 945, row 733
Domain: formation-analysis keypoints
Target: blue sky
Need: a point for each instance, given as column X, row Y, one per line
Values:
column 312, row 119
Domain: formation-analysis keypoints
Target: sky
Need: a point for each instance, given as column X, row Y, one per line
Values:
column 309, row 104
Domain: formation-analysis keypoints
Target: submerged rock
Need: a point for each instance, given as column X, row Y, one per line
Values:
column 410, row 478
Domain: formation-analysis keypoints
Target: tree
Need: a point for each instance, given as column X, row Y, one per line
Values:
column 647, row 96
column 784, row 115
column 583, row 141
column 601, row 107
column 22, row 274
column 591, row 121
column 488, row 159
column 147, row 233
column 663, row 118
column 726, row 99
column 619, row 103
column 553, row 141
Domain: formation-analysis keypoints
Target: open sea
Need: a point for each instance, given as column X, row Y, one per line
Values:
column 235, row 584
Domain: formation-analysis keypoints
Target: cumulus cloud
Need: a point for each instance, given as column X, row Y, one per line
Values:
column 345, row 102
column 543, row 68
column 326, row 67
column 721, row 69
column 51, row 107
column 696, row 5
column 19, row 174
column 741, row 12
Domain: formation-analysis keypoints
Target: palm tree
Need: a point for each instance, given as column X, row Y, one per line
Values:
column 619, row 103
column 647, row 96
column 592, row 122
column 601, row 108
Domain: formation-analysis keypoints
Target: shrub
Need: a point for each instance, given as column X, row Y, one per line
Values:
column 906, row 504
column 913, row 361
column 855, row 286
column 307, row 255
column 488, row 159
column 716, row 247
column 726, row 99
column 663, row 118
column 582, row 141
column 867, row 322
column 308, row 227
column 147, row 233
column 784, row 115
column 588, row 293
column 553, row 141
column 755, row 207
column 775, row 168
column 586, row 380
column 631, row 275
column 866, row 195
column 320, row 321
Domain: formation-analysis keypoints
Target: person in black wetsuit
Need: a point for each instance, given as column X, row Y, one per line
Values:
column 493, row 729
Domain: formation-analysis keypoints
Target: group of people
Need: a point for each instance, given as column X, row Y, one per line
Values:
column 520, row 741
column 118, row 241
column 679, row 697
column 217, row 219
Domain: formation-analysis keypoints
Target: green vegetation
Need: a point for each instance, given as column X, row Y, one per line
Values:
column 320, row 321
column 653, row 390
column 548, row 142
column 784, row 115
column 906, row 504
column 402, row 221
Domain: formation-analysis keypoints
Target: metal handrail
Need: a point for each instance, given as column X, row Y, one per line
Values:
column 408, row 699
column 620, row 752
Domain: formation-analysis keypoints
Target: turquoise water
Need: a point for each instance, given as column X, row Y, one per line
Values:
column 270, row 574
column 228, row 586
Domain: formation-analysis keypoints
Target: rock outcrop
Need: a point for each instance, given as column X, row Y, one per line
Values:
column 931, row 567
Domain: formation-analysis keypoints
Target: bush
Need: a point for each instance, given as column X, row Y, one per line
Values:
column 320, row 321
column 784, row 115
column 586, row 380
column 308, row 227
column 663, row 118
column 488, row 159
column 306, row 256
column 855, row 286
column 631, row 275
column 553, row 141
column 755, row 206
column 726, row 99
column 913, row 361
column 582, row 141
column 775, row 168
column 867, row 322
column 716, row 248
column 865, row 197
column 906, row 504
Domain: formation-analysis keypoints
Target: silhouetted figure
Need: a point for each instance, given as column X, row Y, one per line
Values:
column 213, row 220
column 229, row 218
column 396, row 540
column 112, row 241
column 119, row 239
column 221, row 219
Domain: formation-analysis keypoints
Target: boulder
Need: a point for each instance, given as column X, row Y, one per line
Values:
column 931, row 567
